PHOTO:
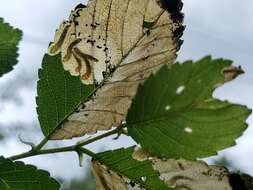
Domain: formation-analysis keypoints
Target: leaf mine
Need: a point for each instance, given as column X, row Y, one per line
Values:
column 116, row 45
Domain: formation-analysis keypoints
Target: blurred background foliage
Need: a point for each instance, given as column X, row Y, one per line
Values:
column 87, row 182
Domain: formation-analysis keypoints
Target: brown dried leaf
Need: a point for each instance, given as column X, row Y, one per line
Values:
column 192, row 175
column 179, row 174
column 106, row 179
column 117, row 44
column 232, row 72
column 187, row 175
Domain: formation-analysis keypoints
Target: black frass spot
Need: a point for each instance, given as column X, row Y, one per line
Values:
column 80, row 6
column 93, row 26
column 76, row 23
column 92, row 42
column 132, row 184
column 148, row 32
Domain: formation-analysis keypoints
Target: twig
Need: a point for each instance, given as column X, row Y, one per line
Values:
column 77, row 147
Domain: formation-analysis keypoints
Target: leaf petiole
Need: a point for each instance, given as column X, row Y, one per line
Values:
column 73, row 148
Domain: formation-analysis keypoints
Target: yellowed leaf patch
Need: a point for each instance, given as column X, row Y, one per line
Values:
column 116, row 44
column 179, row 174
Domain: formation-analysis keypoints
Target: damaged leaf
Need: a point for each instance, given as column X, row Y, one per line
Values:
column 110, row 43
column 192, row 175
column 9, row 39
column 175, row 115
column 59, row 94
column 117, row 170
column 195, row 175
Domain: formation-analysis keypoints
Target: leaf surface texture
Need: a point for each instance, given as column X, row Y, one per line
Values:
column 59, row 94
column 175, row 114
column 117, row 170
column 18, row 176
column 116, row 44
column 9, row 39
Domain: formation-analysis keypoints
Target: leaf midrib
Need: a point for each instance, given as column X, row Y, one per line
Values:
column 102, row 83
column 179, row 114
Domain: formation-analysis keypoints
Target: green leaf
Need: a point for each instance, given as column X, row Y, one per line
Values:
column 175, row 115
column 9, row 39
column 59, row 94
column 138, row 172
column 148, row 25
column 18, row 176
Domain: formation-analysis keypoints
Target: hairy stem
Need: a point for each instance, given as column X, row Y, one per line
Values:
column 74, row 148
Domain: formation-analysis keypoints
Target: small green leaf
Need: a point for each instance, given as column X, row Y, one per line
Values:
column 175, row 115
column 148, row 25
column 9, row 39
column 59, row 94
column 139, row 172
column 18, row 176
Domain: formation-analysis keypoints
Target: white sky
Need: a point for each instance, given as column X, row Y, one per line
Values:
column 222, row 28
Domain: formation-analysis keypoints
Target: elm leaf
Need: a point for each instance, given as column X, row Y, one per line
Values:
column 9, row 39
column 175, row 115
column 19, row 176
column 120, row 171
column 59, row 94
column 117, row 45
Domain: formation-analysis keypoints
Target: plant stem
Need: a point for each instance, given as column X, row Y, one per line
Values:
column 41, row 144
column 51, row 151
column 88, row 152
column 115, row 131
column 77, row 147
